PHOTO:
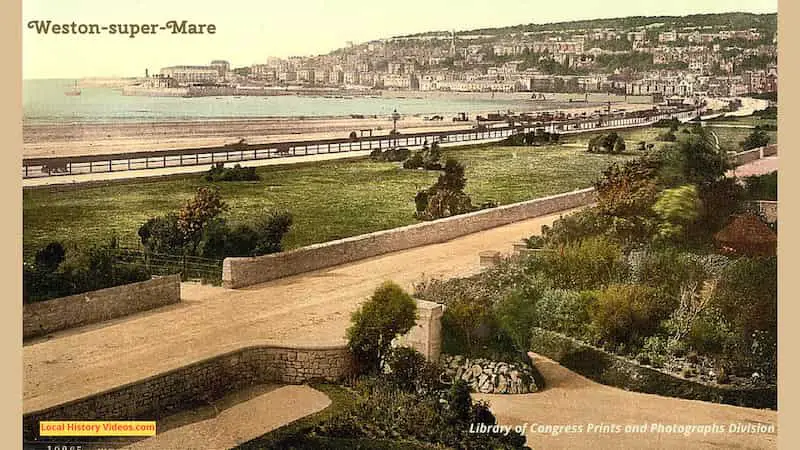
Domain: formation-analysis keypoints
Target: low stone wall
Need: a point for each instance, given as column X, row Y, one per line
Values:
column 755, row 154
column 770, row 150
column 40, row 318
column 200, row 382
column 241, row 272
column 613, row 370
column 747, row 156
column 490, row 377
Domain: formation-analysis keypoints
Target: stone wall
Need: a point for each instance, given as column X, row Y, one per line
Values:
column 241, row 272
column 755, row 154
column 200, row 382
column 40, row 318
column 426, row 335
column 613, row 370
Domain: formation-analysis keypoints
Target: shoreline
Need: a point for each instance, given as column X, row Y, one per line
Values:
column 88, row 138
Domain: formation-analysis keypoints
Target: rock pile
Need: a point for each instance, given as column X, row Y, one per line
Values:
column 490, row 377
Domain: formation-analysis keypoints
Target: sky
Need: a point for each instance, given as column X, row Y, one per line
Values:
column 248, row 31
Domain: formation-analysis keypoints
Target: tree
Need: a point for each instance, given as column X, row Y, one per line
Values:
column 446, row 197
column 48, row 259
column 390, row 312
column 162, row 235
column 195, row 214
column 758, row 138
column 677, row 208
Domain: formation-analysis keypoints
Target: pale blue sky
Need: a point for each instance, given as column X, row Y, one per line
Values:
column 249, row 31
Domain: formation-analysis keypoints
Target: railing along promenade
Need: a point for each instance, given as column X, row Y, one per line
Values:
column 116, row 162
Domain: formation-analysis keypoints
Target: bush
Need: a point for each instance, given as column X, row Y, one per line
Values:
column 390, row 312
column 390, row 155
column 667, row 123
column 565, row 311
column 59, row 273
column 626, row 314
column 758, row 138
column 414, row 162
column 409, row 371
column 219, row 240
column 677, row 208
column 162, row 235
column 667, row 269
column 607, row 143
column 219, row 172
column 516, row 315
column 588, row 264
column 446, row 197
column 761, row 187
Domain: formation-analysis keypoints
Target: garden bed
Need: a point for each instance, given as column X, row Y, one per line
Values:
column 613, row 370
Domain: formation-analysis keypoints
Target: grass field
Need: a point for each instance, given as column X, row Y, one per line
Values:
column 329, row 200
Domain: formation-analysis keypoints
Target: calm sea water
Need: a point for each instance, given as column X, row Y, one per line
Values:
column 44, row 102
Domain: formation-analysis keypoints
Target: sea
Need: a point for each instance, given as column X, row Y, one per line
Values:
column 44, row 102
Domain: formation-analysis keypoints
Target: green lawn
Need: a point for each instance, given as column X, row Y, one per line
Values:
column 329, row 200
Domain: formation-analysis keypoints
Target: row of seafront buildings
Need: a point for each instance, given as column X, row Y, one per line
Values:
column 505, row 78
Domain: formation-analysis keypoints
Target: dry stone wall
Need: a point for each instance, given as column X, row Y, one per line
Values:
column 40, row 318
column 242, row 272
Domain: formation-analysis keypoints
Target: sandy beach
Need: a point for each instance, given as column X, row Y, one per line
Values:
column 72, row 139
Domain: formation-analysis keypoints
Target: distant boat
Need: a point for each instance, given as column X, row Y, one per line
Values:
column 74, row 91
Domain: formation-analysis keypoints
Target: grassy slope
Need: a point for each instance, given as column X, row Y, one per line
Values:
column 329, row 200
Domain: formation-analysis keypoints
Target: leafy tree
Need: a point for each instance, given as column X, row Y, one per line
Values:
column 390, row 312
column 162, row 235
column 49, row 258
column 677, row 208
column 758, row 138
column 196, row 213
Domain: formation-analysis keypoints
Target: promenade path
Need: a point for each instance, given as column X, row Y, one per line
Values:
column 235, row 419
column 306, row 309
column 570, row 399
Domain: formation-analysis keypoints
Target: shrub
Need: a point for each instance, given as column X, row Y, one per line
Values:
column 626, row 313
column 446, row 197
column 389, row 313
column 196, row 213
column 565, row 311
column 414, row 162
column 666, row 269
column 747, row 292
column 761, row 187
column 607, row 143
column 219, row 240
column 588, row 264
column 667, row 123
column 48, row 258
column 219, row 172
column 162, row 235
column 758, row 138
column 677, row 208
column 516, row 315
column 77, row 271
column 406, row 367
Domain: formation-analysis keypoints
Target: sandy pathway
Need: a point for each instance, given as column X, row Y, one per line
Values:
column 234, row 420
column 570, row 399
column 312, row 308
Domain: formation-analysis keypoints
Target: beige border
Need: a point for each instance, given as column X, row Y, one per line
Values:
column 10, row 80
column 10, row 248
column 788, row 73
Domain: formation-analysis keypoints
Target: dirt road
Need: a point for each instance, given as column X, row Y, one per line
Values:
column 570, row 399
column 312, row 308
